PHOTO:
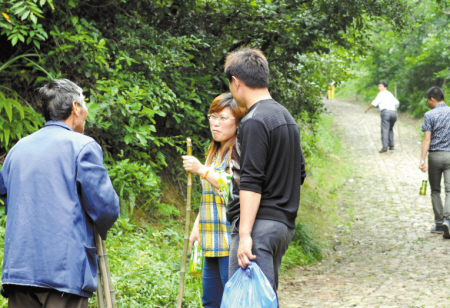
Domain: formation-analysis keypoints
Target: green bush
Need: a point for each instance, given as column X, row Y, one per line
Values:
column 145, row 264
column 318, row 215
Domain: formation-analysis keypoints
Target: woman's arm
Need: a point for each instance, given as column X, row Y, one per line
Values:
column 193, row 165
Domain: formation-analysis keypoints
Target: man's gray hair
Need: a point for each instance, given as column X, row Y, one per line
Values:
column 57, row 98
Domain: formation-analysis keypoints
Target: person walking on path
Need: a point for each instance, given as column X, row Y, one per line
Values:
column 56, row 190
column 436, row 142
column 272, row 169
column 388, row 105
column 211, row 228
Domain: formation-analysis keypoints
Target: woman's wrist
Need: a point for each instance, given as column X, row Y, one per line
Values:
column 203, row 172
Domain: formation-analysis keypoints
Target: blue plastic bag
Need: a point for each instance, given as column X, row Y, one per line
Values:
column 249, row 288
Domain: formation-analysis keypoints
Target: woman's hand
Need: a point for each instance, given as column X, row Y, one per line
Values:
column 193, row 165
column 195, row 236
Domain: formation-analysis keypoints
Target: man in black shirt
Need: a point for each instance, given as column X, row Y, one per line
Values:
column 272, row 169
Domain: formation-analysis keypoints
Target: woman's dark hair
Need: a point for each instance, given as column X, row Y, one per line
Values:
column 249, row 65
column 218, row 104
column 57, row 98
column 436, row 93
column 384, row 83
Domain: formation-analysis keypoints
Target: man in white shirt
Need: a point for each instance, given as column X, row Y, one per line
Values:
column 388, row 105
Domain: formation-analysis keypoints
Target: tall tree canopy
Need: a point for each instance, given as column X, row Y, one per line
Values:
column 413, row 60
column 151, row 68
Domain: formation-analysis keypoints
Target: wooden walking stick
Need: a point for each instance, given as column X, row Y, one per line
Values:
column 103, row 271
column 108, row 274
column 186, row 229
column 100, row 293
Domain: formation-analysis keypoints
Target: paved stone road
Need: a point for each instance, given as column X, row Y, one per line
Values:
column 390, row 259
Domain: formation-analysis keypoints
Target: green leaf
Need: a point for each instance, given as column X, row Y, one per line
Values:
column 6, row 132
column 21, row 10
column 141, row 139
column 33, row 18
column 24, row 16
column 19, row 108
column 14, row 40
column 38, row 45
column 128, row 138
column 15, row 6
column 8, row 104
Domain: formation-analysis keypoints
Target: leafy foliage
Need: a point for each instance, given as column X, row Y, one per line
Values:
column 412, row 61
column 151, row 68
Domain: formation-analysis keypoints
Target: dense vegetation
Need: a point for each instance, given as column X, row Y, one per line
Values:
column 149, row 70
column 412, row 61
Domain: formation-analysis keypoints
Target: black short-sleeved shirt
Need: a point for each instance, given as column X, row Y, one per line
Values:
column 271, row 162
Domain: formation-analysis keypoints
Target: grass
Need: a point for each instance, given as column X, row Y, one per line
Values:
column 318, row 213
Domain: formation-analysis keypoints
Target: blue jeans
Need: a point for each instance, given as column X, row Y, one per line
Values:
column 215, row 276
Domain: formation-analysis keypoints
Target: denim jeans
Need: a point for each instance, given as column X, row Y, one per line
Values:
column 271, row 239
column 215, row 276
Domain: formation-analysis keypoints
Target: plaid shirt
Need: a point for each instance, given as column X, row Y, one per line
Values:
column 213, row 225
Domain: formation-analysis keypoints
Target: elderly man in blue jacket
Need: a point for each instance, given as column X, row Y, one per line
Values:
column 56, row 190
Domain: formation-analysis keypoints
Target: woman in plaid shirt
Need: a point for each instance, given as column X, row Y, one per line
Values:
column 211, row 227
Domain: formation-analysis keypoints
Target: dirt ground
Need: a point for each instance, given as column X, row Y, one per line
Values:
column 388, row 257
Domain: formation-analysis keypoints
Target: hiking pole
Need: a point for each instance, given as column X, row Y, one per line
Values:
column 100, row 293
column 103, row 271
column 108, row 274
column 186, row 229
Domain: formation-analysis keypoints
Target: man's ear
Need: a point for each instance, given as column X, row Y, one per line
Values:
column 237, row 81
column 75, row 108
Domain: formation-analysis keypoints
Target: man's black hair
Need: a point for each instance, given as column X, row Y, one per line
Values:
column 384, row 83
column 249, row 65
column 57, row 98
column 436, row 93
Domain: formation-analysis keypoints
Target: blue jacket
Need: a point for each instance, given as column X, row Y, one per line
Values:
column 56, row 187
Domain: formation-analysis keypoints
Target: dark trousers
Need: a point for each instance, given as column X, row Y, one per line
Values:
column 215, row 276
column 34, row 297
column 271, row 239
column 388, row 119
column 438, row 165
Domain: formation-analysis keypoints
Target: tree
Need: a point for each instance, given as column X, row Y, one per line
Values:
column 151, row 68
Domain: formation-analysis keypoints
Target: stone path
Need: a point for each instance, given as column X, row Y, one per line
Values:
column 390, row 259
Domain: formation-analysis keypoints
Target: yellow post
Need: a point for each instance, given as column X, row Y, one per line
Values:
column 329, row 92
column 332, row 92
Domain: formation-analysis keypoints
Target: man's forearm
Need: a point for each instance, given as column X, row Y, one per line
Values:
column 249, row 207
column 370, row 107
column 425, row 146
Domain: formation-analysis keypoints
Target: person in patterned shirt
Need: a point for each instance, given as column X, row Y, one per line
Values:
column 211, row 227
column 436, row 142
